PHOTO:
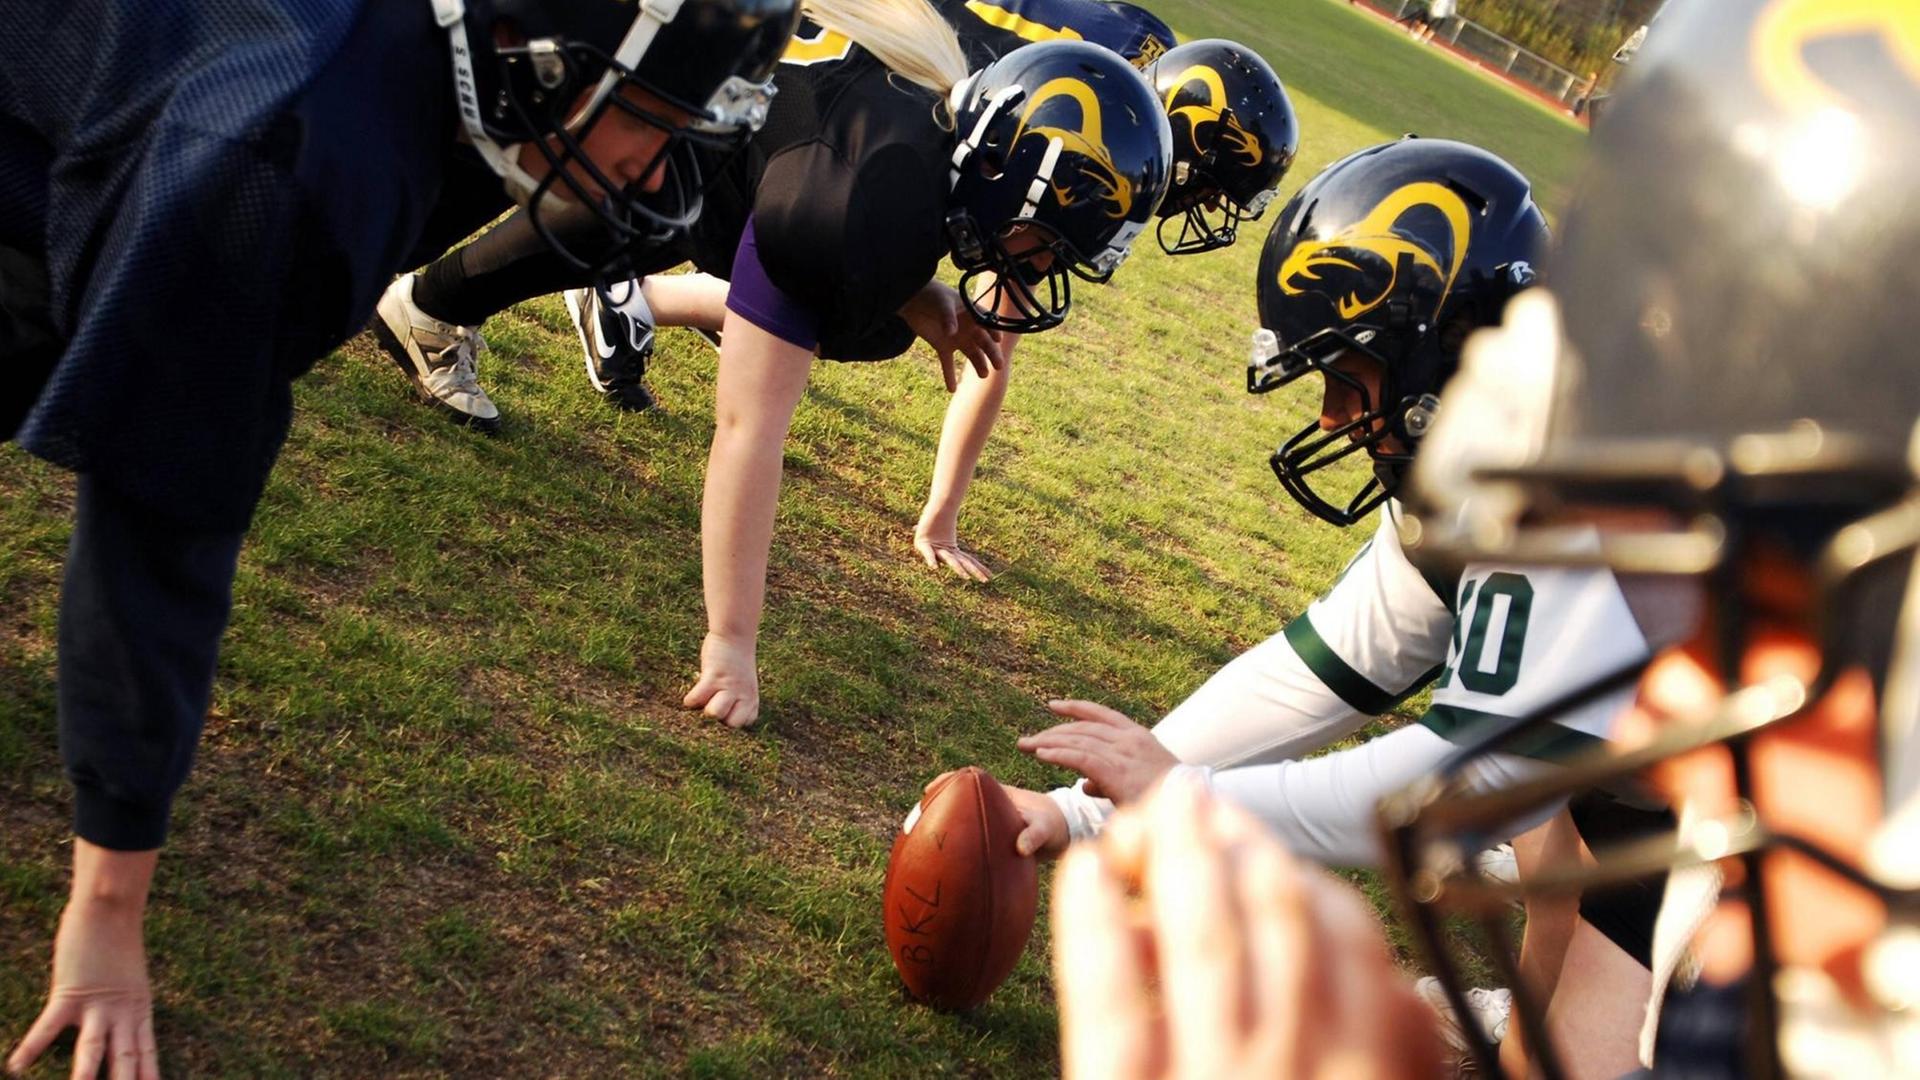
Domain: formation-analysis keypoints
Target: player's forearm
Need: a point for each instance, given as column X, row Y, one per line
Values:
column 693, row 300
column 1266, row 705
column 1085, row 815
column 971, row 415
column 1323, row 807
column 761, row 380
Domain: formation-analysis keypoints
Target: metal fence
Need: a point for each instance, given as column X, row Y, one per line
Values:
column 1478, row 43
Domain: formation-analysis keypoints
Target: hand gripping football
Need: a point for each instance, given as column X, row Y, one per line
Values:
column 960, row 900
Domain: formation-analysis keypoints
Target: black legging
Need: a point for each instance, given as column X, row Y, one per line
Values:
column 1624, row 913
column 502, row 266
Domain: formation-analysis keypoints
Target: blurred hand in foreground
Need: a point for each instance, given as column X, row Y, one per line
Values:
column 1188, row 944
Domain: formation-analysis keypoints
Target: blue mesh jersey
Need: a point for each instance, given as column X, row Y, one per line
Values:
column 217, row 190
column 198, row 198
column 991, row 28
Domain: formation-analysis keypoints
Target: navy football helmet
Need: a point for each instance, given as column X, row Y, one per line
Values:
column 542, row 73
column 1234, row 138
column 1394, row 253
column 1063, row 157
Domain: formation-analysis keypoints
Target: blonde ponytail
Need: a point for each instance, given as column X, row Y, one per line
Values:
column 908, row 36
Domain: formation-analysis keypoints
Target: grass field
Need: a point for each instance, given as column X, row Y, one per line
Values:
column 447, row 817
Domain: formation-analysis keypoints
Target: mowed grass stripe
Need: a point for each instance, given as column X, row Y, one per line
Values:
column 447, row 817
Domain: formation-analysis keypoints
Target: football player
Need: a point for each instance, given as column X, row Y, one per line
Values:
column 197, row 201
column 1372, row 278
column 1022, row 118
column 881, row 155
column 1724, row 399
column 1234, row 138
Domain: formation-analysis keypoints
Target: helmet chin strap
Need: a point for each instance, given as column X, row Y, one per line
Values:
column 504, row 160
column 654, row 14
column 520, row 185
column 1038, row 189
column 965, row 148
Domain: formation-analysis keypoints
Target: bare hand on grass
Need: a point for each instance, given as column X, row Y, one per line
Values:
column 729, row 685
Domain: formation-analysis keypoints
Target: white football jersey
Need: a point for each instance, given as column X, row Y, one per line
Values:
column 1524, row 637
column 1497, row 642
column 1512, row 639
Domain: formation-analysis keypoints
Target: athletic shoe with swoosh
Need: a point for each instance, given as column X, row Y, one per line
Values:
column 616, row 333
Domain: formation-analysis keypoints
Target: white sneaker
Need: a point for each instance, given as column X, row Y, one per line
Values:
column 1490, row 1008
column 1497, row 865
column 437, row 356
column 617, row 337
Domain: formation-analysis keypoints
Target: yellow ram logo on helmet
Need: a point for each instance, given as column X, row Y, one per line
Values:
column 1786, row 28
column 1377, row 234
column 1237, row 139
column 1087, row 144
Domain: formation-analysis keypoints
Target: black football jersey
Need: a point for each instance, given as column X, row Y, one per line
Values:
column 847, row 186
column 989, row 29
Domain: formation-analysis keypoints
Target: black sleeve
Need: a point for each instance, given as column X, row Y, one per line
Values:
column 141, row 614
column 28, row 339
column 852, row 241
column 887, row 339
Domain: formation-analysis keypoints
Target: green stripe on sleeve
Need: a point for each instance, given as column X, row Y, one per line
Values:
column 1352, row 687
column 1552, row 743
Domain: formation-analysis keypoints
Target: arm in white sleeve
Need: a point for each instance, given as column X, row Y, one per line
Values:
column 1378, row 634
column 1266, row 705
column 1323, row 808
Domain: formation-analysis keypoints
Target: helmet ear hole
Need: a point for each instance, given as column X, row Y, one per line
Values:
column 991, row 163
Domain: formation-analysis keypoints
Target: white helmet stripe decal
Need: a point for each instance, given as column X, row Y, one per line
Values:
column 972, row 142
column 1038, row 188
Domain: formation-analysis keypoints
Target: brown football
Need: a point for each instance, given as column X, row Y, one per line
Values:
column 959, row 899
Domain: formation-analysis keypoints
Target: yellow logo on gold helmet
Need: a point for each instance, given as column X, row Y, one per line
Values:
column 1237, row 139
column 1786, row 28
column 1088, row 144
column 1377, row 234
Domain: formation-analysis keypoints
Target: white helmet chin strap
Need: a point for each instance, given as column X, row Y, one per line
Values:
column 1041, row 178
column 504, row 160
column 965, row 148
column 451, row 15
column 654, row 14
